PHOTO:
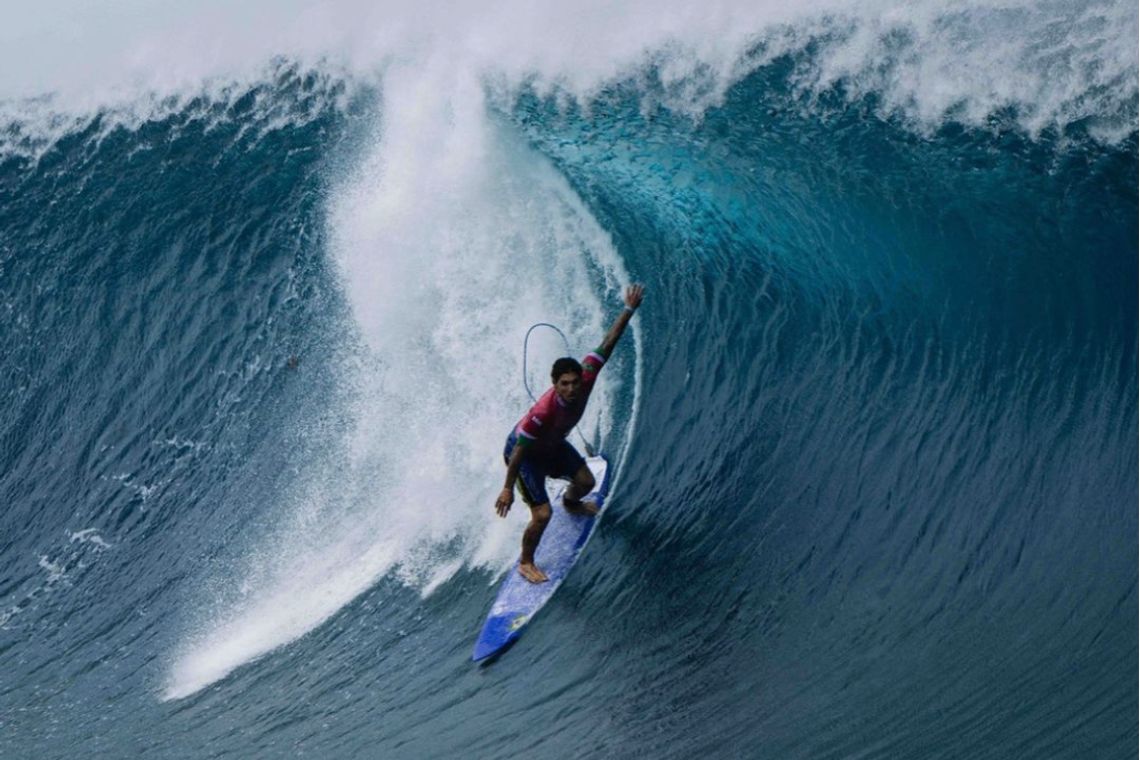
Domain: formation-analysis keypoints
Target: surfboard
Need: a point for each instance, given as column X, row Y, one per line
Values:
column 519, row 600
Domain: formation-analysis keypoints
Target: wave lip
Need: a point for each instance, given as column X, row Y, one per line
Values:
column 1043, row 65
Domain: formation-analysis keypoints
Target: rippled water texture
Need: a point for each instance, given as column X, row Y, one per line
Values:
column 874, row 431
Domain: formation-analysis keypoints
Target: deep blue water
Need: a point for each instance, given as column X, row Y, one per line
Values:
column 878, row 494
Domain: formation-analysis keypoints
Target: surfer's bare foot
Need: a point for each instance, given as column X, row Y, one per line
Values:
column 532, row 573
column 584, row 508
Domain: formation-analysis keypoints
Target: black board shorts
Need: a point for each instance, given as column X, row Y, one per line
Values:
column 538, row 464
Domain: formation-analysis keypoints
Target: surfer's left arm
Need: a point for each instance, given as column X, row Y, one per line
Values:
column 633, row 295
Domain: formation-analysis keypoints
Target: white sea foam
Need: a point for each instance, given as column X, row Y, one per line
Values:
column 88, row 536
column 1053, row 62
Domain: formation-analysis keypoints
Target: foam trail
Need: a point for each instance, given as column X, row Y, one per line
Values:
column 451, row 238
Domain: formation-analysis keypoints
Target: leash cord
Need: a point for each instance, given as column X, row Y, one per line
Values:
column 526, row 381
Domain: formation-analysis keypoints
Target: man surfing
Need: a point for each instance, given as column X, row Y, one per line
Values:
column 537, row 448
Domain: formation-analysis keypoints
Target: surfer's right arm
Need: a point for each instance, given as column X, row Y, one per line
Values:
column 507, row 495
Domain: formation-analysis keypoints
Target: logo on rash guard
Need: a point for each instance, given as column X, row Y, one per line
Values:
column 536, row 421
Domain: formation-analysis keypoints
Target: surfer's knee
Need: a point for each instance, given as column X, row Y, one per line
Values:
column 585, row 480
column 540, row 514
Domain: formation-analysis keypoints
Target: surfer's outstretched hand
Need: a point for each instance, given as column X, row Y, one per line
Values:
column 633, row 295
column 503, row 503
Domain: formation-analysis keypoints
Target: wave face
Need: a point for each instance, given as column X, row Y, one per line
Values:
column 875, row 429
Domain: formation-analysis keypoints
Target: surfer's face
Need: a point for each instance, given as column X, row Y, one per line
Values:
column 568, row 387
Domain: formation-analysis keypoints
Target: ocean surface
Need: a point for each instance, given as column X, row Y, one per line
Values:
column 264, row 280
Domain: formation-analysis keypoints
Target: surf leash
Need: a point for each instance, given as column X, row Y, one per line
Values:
column 526, row 382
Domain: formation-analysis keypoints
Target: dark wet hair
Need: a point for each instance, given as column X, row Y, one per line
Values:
column 564, row 365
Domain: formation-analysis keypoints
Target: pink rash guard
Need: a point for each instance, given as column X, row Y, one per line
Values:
column 551, row 419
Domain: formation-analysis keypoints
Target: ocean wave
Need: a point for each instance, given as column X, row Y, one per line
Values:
column 1040, row 66
column 874, row 431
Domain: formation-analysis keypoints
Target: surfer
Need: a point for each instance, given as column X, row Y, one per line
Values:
column 537, row 447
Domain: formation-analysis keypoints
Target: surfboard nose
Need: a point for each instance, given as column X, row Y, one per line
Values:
column 498, row 633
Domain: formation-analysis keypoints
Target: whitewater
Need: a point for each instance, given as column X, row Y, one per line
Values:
column 265, row 274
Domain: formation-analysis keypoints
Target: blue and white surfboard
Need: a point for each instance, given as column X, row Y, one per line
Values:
column 519, row 600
